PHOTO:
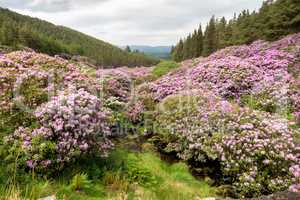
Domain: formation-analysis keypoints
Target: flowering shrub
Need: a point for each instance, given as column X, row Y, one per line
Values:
column 29, row 79
column 71, row 125
column 222, row 109
column 21, row 90
column 133, row 73
column 33, row 149
column 115, row 83
column 134, row 111
column 37, row 60
column 273, row 98
column 260, row 69
column 230, row 76
column 74, row 78
column 255, row 150
column 141, row 104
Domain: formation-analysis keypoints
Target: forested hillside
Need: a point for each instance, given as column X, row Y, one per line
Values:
column 276, row 18
column 18, row 30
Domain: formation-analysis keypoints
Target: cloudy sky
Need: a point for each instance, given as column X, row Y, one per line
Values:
column 138, row 22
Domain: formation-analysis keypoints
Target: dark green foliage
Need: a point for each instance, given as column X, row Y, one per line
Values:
column 190, row 48
column 274, row 20
column 127, row 49
column 221, row 33
column 20, row 31
column 210, row 38
column 177, row 52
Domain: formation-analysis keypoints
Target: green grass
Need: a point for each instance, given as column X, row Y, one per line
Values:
column 124, row 175
column 163, row 68
column 176, row 182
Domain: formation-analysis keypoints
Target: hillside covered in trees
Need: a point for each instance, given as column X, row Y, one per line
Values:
column 19, row 31
column 276, row 18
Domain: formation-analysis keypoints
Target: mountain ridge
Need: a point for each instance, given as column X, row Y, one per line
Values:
column 160, row 51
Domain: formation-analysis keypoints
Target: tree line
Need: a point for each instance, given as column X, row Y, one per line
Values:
column 276, row 18
column 19, row 31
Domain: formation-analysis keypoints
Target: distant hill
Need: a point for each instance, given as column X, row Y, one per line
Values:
column 18, row 30
column 161, row 52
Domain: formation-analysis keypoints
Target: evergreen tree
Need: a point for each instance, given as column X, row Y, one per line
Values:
column 187, row 48
column 127, row 49
column 276, row 18
column 199, row 42
column 210, row 37
column 228, row 34
column 194, row 44
column 177, row 54
column 283, row 18
column 221, row 31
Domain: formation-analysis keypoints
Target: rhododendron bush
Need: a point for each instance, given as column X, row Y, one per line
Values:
column 56, row 111
column 120, row 82
column 257, row 151
column 262, row 70
column 237, row 109
column 116, row 83
column 29, row 79
column 71, row 125
column 236, row 112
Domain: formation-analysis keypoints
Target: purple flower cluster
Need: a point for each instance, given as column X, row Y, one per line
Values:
column 34, row 147
column 30, row 79
column 134, row 111
column 68, row 103
column 203, row 115
column 255, row 149
column 78, row 120
column 71, row 125
column 116, row 83
column 295, row 171
column 133, row 73
column 263, row 70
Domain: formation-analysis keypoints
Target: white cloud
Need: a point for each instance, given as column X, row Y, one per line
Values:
column 155, row 22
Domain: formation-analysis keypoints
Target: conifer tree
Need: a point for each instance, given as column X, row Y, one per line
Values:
column 221, row 31
column 199, row 49
column 210, row 38
column 127, row 49
column 178, row 52
column 275, row 19
column 187, row 47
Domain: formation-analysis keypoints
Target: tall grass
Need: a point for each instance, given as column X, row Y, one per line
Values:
column 167, row 181
column 124, row 175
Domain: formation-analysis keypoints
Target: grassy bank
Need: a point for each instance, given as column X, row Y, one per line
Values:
column 124, row 175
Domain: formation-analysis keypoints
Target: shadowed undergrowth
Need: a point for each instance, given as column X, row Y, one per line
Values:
column 124, row 175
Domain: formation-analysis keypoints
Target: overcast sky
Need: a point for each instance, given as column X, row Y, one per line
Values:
column 133, row 22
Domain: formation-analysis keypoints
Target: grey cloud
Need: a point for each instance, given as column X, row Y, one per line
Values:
column 47, row 5
column 173, row 14
column 124, row 22
column 43, row 6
